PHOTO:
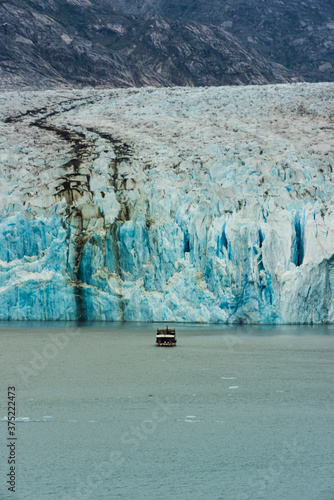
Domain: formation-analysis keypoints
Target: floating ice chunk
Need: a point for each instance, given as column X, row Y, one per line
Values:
column 28, row 419
column 191, row 418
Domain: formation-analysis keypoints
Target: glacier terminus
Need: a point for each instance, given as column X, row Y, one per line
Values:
column 206, row 205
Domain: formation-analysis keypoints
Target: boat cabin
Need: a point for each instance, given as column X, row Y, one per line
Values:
column 165, row 337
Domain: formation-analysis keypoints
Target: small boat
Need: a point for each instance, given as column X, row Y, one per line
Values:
column 165, row 337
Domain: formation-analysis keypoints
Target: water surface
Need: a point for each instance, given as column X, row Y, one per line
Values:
column 230, row 413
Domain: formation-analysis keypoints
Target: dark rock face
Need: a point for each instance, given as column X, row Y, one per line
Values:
column 78, row 43
column 38, row 51
column 297, row 34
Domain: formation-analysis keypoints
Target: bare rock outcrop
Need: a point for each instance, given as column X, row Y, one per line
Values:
column 78, row 43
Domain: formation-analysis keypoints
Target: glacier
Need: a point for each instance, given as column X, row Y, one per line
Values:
column 208, row 205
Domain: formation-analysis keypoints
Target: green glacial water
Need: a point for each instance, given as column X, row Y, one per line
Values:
column 231, row 413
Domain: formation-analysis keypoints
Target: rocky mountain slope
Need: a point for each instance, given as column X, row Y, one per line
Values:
column 78, row 43
column 297, row 34
column 207, row 205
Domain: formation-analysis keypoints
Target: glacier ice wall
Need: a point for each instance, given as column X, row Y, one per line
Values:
column 189, row 205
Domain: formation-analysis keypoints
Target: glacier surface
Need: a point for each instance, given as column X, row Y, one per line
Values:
column 186, row 205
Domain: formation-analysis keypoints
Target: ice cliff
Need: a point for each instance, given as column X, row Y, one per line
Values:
column 199, row 205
